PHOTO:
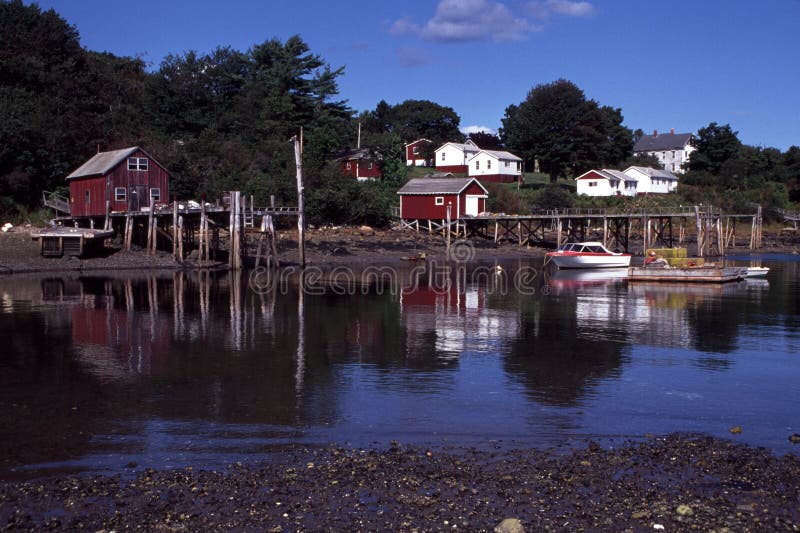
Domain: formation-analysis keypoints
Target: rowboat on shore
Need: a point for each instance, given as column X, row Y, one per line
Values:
column 587, row 255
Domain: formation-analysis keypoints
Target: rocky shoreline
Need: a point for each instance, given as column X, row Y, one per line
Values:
column 674, row 483
column 20, row 254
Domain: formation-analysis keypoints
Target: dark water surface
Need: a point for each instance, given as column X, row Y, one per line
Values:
column 112, row 372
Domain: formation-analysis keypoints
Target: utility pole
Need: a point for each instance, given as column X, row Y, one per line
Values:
column 301, row 217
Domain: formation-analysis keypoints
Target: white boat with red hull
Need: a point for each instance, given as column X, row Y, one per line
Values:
column 587, row 255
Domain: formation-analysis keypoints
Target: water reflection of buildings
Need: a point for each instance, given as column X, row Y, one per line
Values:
column 454, row 319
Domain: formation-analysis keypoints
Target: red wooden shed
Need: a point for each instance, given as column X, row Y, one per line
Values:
column 428, row 198
column 126, row 178
column 359, row 164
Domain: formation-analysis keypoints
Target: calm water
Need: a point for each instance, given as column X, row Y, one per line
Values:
column 102, row 373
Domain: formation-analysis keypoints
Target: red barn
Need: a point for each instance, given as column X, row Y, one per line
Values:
column 126, row 178
column 416, row 153
column 359, row 164
column 428, row 198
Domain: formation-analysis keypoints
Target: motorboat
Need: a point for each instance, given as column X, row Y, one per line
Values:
column 587, row 255
column 757, row 272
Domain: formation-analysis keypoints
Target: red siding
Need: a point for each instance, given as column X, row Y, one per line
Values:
column 499, row 178
column 424, row 207
column 411, row 156
column 96, row 189
column 455, row 169
column 101, row 188
column 363, row 169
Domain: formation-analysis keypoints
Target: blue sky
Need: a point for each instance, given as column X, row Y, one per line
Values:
column 674, row 64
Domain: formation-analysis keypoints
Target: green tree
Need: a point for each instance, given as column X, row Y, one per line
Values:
column 567, row 133
column 411, row 120
column 487, row 141
column 714, row 145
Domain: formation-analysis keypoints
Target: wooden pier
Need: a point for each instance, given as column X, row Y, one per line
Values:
column 629, row 231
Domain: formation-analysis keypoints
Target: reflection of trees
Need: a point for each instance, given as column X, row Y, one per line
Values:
column 551, row 357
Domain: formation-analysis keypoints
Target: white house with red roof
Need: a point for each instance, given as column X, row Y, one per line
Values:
column 606, row 182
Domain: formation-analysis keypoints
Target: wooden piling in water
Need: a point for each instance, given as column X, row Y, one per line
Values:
column 301, row 217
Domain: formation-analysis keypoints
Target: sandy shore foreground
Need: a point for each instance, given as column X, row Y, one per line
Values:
column 677, row 483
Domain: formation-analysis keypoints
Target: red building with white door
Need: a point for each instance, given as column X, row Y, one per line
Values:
column 126, row 178
column 428, row 198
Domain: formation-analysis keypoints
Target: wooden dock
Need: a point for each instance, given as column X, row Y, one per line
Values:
column 628, row 231
column 57, row 242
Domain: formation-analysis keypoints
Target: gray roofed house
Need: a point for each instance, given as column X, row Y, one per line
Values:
column 652, row 180
column 427, row 186
column 102, row 162
column 671, row 149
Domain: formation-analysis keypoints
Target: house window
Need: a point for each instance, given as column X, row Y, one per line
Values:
column 369, row 165
column 443, row 154
column 137, row 163
column 439, row 200
column 348, row 165
column 120, row 194
column 477, row 165
column 673, row 154
column 507, row 164
column 415, row 150
column 592, row 184
column 489, row 164
column 155, row 195
column 519, row 165
column 87, row 197
column 673, row 167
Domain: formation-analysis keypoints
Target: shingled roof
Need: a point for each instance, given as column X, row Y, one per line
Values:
column 425, row 186
column 102, row 162
column 664, row 141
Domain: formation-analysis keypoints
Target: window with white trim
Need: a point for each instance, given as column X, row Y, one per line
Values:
column 120, row 194
column 155, row 195
column 369, row 165
column 439, row 200
column 477, row 165
column 508, row 163
column 87, row 197
column 348, row 165
column 592, row 184
column 489, row 164
column 137, row 163
column 415, row 150
column 443, row 154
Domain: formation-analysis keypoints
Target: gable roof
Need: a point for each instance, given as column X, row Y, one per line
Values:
column 498, row 154
column 358, row 153
column 653, row 172
column 468, row 146
column 102, row 162
column 419, row 141
column 602, row 173
column 620, row 175
column 425, row 186
column 663, row 141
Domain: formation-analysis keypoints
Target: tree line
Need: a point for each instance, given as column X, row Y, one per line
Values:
column 222, row 121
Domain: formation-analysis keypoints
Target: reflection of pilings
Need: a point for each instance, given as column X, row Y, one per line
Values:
column 152, row 301
column 178, row 316
column 301, row 333
column 204, row 288
column 235, row 300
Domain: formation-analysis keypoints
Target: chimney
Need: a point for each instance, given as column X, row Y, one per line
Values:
column 672, row 131
column 655, row 133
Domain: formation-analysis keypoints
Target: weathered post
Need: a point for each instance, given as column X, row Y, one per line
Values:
column 301, row 217
column 180, row 238
column 175, row 234
column 150, row 235
column 107, row 223
column 449, row 208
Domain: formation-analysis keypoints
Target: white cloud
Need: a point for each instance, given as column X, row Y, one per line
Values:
column 468, row 20
column 466, row 130
column 543, row 9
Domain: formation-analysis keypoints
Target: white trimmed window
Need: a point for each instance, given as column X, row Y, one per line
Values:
column 155, row 195
column 120, row 194
column 87, row 198
column 592, row 184
column 137, row 163
column 415, row 150
column 439, row 200
column 443, row 154
column 508, row 163
column 489, row 164
column 477, row 165
column 369, row 165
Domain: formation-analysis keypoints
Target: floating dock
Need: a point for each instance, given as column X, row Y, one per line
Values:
column 705, row 274
column 57, row 242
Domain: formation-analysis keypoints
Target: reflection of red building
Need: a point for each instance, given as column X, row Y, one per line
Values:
column 116, row 344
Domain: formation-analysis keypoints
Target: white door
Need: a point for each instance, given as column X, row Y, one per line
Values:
column 472, row 206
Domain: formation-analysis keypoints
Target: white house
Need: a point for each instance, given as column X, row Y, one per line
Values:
column 606, row 182
column 497, row 166
column 652, row 180
column 671, row 149
column 453, row 157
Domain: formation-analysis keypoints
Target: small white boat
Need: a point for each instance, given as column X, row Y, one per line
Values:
column 587, row 255
column 757, row 272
